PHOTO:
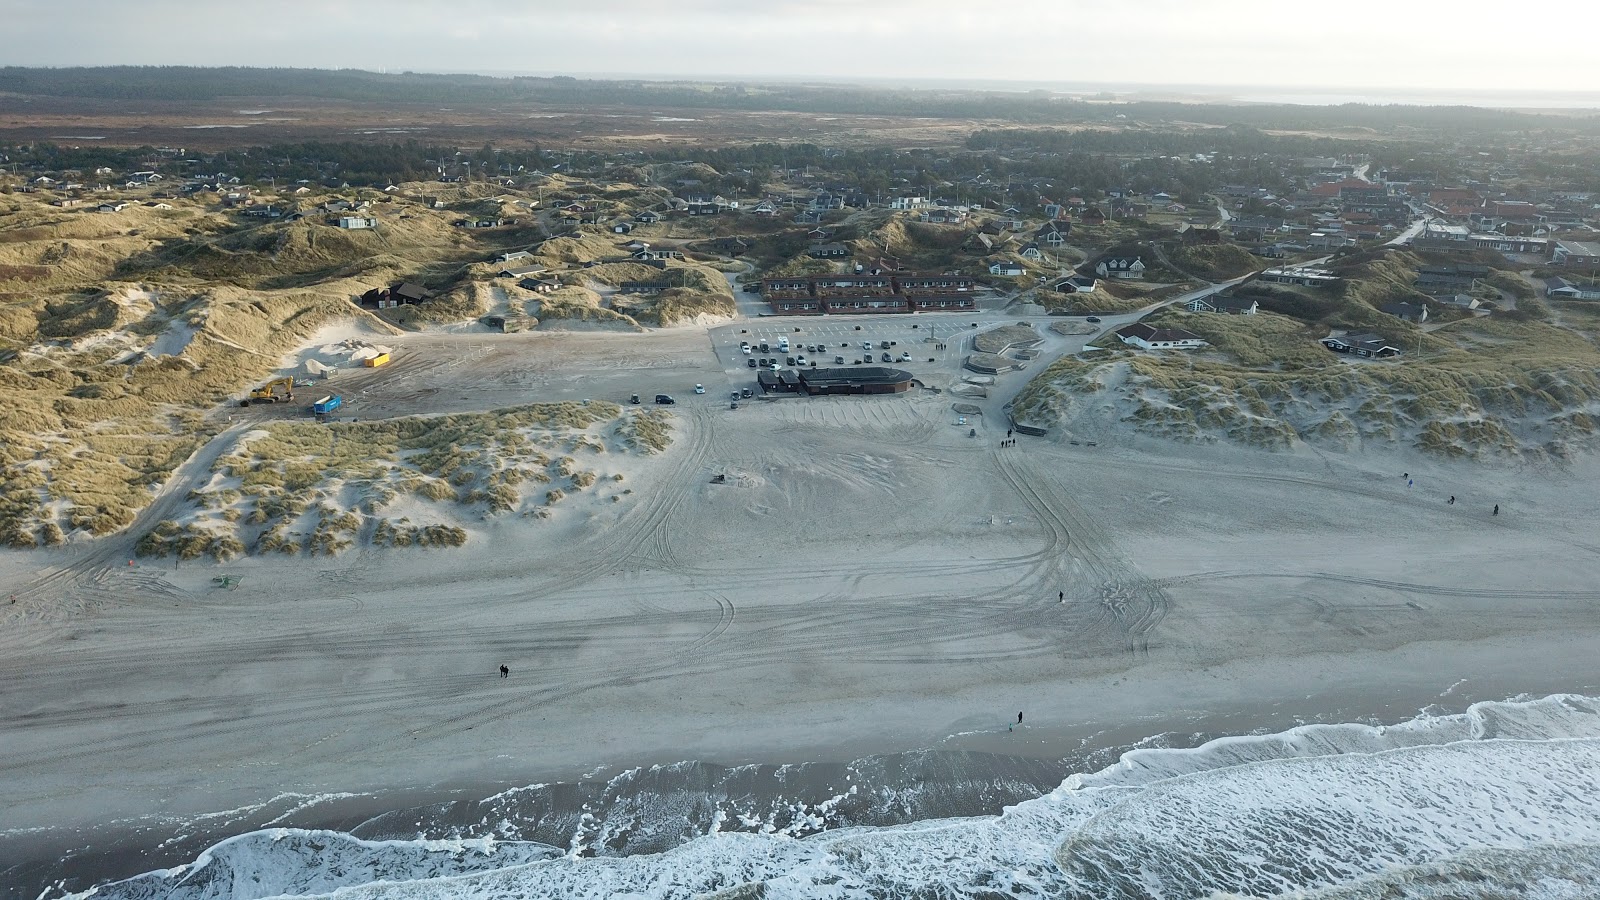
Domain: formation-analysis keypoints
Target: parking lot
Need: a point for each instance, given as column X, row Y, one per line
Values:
column 941, row 339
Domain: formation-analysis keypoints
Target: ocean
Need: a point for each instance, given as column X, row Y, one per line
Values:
column 1499, row 801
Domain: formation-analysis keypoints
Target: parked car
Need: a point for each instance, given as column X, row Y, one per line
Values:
column 665, row 400
column 751, row 362
column 838, row 360
column 788, row 360
column 746, row 392
column 1094, row 319
column 888, row 358
column 635, row 399
column 799, row 360
column 733, row 395
column 884, row 345
column 905, row 357
column 752, row 288
column 699, row 389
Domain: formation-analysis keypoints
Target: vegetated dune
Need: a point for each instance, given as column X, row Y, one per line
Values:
column 1216, row 262
column 1481, row 388
column 108, row 393
column 321, row 489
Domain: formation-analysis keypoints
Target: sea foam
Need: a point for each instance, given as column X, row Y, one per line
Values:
column 1503, row 800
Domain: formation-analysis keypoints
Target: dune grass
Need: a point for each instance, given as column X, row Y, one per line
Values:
column 299, row 487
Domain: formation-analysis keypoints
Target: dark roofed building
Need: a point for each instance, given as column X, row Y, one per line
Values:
column 405, row 293
column 1365, row 344
column 838, row 380
column 1411, row 312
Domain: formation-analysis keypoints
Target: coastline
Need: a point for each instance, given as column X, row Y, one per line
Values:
column 1294, row 589
column 974, row 773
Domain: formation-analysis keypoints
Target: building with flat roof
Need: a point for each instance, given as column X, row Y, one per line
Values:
column 836, row 380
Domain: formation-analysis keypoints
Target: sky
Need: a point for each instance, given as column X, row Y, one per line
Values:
column 1392, row 45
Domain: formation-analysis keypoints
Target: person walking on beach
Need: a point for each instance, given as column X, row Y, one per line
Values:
column 1452, row 500
column 1019, row 718
column 1008, row 432
column 1408, row 482
column 1061, row 596
column 1496, row 510
column 505, row 672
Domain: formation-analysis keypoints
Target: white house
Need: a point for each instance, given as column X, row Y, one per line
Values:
column 1006, row 268
column 1147, row 337
column 354, row 222
column 1120, row 267
column 910, row 203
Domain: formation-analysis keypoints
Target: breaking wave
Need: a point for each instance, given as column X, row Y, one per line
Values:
column 1500, row 801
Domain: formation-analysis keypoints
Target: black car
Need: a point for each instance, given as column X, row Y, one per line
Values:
column 788, row 360
column 752, row 289
column 746, row 392
column 635, row 399
column 752, row 362
column 665, row 400
column 1093, row 319
column 888, row 358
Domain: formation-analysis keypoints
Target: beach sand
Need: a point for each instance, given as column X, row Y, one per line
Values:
column 870, row 579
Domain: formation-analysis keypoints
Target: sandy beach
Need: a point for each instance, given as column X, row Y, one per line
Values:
column 869, row 579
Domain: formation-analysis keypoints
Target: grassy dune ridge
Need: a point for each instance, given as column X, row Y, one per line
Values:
column 320, row 489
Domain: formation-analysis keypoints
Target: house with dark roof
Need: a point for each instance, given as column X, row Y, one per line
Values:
column 828, row 251
column 1148, row 337
column 1410, row 312
column 1216, row 303
column 405, row 293
column 1128, row 267
column 1076, row 284
column 1366, row 345
column 1565, row 289
column 1053, row 233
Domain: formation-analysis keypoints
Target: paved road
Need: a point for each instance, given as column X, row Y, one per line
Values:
column 1404, row 237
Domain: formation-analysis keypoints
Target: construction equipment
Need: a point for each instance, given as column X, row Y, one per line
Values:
column 278, row 389
column 327, row 404
column 382, row 359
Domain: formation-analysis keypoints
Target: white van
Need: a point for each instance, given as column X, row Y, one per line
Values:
column 783, row 345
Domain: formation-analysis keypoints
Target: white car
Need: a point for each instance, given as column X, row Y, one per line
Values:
column 799, row 360
column 744, row 348
column 699, row 389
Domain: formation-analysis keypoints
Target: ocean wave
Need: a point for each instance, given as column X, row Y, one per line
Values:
column 1469, row 805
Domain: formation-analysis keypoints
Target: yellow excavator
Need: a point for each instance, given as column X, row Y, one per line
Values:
column 272, row 392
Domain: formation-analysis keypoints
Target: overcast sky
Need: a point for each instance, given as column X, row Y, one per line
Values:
column 1464, row 45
